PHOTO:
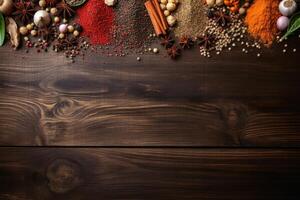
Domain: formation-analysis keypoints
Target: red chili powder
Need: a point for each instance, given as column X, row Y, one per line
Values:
column 97, row 20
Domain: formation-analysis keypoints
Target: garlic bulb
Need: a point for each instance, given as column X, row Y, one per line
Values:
column 283, row 23
column 41, row 18
column 6, row 6
column 287, row 7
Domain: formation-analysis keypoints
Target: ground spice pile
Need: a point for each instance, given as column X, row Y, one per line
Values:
column 191, row 18
column 97, row 21
column 132, row 27
column 261, row 20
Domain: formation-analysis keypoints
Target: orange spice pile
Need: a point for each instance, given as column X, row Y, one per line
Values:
column 261, row 20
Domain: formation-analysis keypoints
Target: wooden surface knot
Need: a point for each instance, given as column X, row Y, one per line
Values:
column 63, row 107
column 63, row 176
column 235, row 117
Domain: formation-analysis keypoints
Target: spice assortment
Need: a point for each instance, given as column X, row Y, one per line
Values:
column 227, row 24
column 122, row 27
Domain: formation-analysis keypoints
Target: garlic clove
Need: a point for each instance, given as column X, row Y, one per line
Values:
column 171, row 20
column 163, row 6
column 171, row 6
column 167, row 13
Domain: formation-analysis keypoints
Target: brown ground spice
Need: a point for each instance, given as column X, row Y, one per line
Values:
column 191, row 18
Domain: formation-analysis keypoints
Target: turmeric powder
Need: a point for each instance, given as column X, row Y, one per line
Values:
column 261, row 20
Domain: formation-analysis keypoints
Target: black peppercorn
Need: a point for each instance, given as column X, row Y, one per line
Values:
column 78, row 27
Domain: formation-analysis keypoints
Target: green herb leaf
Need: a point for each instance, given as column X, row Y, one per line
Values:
column 294, row 25
column 2, row 29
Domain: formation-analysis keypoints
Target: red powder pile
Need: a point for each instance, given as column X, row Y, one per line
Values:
column 97, row 21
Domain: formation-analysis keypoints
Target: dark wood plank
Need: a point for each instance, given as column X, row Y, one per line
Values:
column 97, row 173
column 231, row 100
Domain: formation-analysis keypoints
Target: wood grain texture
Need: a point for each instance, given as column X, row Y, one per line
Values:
column 230, row 100
column 136, row 173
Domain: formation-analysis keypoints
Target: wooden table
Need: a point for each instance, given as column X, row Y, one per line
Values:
column 224, row 128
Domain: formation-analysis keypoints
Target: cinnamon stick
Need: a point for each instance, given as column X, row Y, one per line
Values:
column 161, row 15
column 156, row 27
column 157, row 24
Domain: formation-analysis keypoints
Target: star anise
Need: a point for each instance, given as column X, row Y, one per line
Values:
column 222, row 18
column 51, row 3
column 65, row 44
column 174, row 52
column 186, row 42
column 65, row 9
column 24, row 10
column 167, row 41
column 47, row 33
column 206, row 40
